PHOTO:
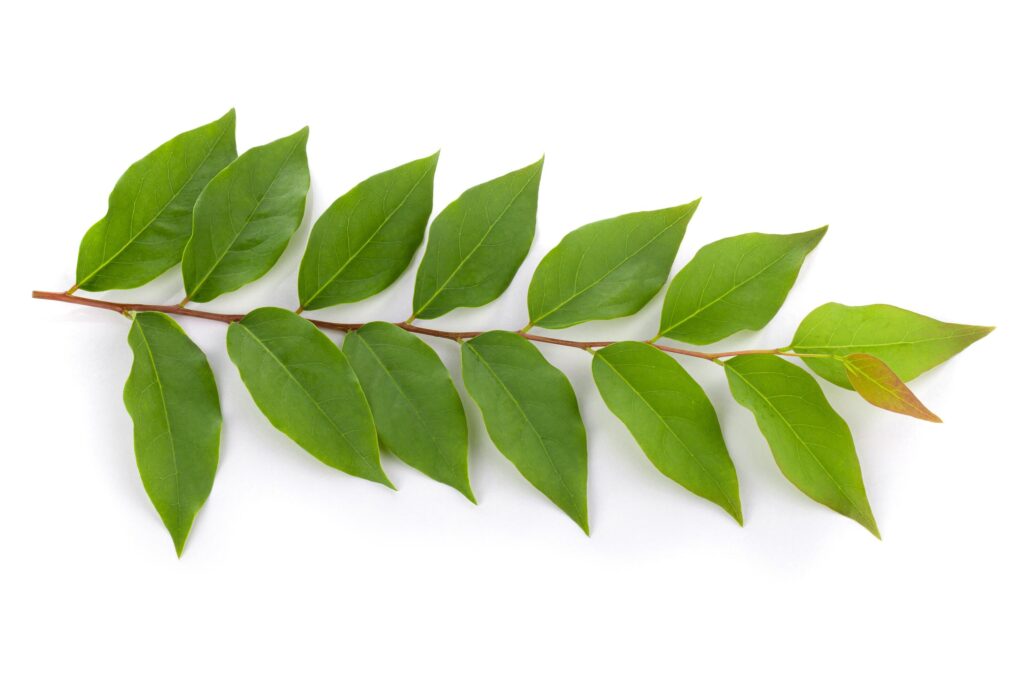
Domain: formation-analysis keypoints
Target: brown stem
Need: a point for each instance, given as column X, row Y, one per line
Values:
column 348, row 327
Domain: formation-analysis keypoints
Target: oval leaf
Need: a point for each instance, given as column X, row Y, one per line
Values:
column 811, row 443
column 245, row 218
column 477, row 244
column 909, row 343
column 367, row 238
column 172, row 398
column 304, row 385
column 531, row 415
column 608, row 269
column 880, row 386
column 418, row 413
column 734, row 284
column 149, row 216
column 671, row 418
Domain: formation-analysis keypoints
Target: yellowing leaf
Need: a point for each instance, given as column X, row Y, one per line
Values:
column 880, row 386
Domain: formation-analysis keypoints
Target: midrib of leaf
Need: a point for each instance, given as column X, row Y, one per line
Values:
column 735, row 513
column 540, row 439
column 611, row 270
column 700, row 309
column 803, row 443
column 167, row 421
column 248, row 219
column 366, row 242
column 413, row 404
column 312, row 400
column 483, row 238
column 135, row 236
column 854, row 345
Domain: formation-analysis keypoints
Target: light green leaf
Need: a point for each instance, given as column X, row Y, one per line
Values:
column 477, row 244
column 671, row 418
column 366, row 238
column 304, row 385
column 607, row 269
column 909, row 343
column 738, row 283
column 418, row 413
column 812, row 445
column 878, row 385
column 531, row 415
column 172, row 398
column 245, row 217
column 149, row 216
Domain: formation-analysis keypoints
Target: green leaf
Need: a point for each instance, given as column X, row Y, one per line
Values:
column 812, row 445
column 734, row 284
column 671, row 418
column 477, row 244
column 418, row 413
column 608, row 269
column 880, row 386
column 304, row 385
column 367, row 238
column 245, row 218
column 149, row 216
column 531, row 415
column 907, row 342
column 172, row 398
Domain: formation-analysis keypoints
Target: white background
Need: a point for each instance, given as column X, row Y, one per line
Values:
column 898, row 124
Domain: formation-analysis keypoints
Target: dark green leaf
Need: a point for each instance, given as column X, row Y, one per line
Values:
column 880, row 386
column 909, row 343
column 671, row 418
column 172, row 398
column 366, row 238
column 734, row 284
column 607, row 269
column 304, row 385
column 477, row 244
column 811, row 443
column 149, row 216
column 531, row 415
column 417, row 411
column 245, row 218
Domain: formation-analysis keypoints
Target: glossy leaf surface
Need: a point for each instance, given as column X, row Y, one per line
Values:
column 671, row 418
column 909, row 343
column 245, row 217
column 477, row 243
column 305, row 386
column 880, row 386
column 531, row 415
column 811, row 443
column 366, row 239
column 418, row 413
column 149, row 214
column 738, row 283
column 172, row 398
column 607, row 269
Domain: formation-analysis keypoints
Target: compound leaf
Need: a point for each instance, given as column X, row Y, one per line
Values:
column 477, row 243
column 245, row 217
column 172, row 398
column 418, row 413
column 531, row 415
column 909, row 343
column 607, row 269
column 738, row 283
column 149, row 214
column 368, row 236
column 671, row 418
column 811, row 443
column 304, row 385
column 880, row 386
